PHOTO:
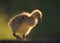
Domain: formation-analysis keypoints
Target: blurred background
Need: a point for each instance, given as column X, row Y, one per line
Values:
column 49, row 28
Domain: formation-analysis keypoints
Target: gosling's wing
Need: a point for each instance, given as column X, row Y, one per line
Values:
column 14, row 22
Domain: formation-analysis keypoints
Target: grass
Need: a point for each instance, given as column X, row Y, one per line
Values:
column 5, row 31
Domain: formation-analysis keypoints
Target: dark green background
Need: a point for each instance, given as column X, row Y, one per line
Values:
column 50, row 27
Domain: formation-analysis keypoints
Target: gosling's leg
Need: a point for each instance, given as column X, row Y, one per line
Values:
column 23, row 37
column 17, row 36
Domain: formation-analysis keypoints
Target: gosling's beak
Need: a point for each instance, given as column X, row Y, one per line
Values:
column 40, row 19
